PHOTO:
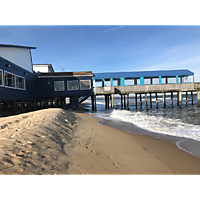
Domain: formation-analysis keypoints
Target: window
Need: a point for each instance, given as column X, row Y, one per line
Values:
column 59, row 86
column 85, row 84
column 172, row 80
column 155, row 81
column 1, row 78
column 147, row 81
column 129, row 81
column 72, row 85
column 20, row 83
column 9, row 80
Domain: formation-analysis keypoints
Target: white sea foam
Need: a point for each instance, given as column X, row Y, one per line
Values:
column 158, row 124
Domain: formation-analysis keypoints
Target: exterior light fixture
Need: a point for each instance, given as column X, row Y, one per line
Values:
column 8, row 65
column 25, row 73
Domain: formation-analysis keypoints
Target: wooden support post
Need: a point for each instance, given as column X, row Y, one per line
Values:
column 113, row 101
column 198, row 98
column 150, row 100
column 95, row 103
column 177, row 98
column 108, row 99
column 163, row 94
column 192, row 98
column 136, row 100
column 124, row 102
column 0, row 108
column 106, row 102
column 121, row 101
column 186, row 96
column 180, row 99
column 146, row 101
column 172, row 99
column 92, row 99
column 140, row 101
column 156, row 100
column 128, row 102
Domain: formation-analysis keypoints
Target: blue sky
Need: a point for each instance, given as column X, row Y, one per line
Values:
column 110, row 48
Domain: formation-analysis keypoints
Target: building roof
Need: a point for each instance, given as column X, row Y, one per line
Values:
column 163, row 73
column 66, row 74
column 16, row 46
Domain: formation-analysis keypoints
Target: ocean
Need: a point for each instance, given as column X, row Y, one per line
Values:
column 181, row 126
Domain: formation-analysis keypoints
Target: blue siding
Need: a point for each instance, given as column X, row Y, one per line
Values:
column 46, row 87
column 11, row 94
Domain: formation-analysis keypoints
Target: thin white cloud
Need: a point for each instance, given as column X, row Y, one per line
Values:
column 111, row 29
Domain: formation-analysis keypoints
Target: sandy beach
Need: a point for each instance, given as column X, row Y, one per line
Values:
column 57, row 141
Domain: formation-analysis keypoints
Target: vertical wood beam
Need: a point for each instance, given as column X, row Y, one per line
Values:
column 14, row 107
column 180, row 99
column 113, row 101
column 163, row 94
column 128, row 102
column 198, row 98
column 124, row 102
column 186, row 96
column 156, row 100
column 106, row 102
column 192, row 98
column 150, row 100
column 136, row 100
column 172, row 99
column 121, row 101
column 140, row 101
column 177, row 98
column 146, row 101
column 0, row 108
column 92, row 101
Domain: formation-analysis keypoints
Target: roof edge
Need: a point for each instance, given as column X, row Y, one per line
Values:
column 16, row 46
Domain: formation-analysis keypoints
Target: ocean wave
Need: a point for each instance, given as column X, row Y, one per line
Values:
column 158, row 124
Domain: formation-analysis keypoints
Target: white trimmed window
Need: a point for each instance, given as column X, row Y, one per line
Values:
column 20, row 83
column 59, row 86
column 9, row 80
column 85, row 84
column 1, row 78
column 72, row 85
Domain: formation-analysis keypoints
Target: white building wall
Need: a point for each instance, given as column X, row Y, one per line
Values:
column 46, row 68
column 19, row 56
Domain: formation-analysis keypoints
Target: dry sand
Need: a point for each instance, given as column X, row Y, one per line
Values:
column 56, row 141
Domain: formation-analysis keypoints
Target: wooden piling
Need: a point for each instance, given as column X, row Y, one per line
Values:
column 128, row 102
column 150, row 100
column 136, row 100
column 186, row 96
column 198, row 98
column 124, row 102
column 92, row 99
column 121, row 101
column 180, row 99
column 112, row 101
column 0, row 108
column 177, row 98
column 108, row 99
column 106, row 102
column 163, row 94
column 146, row 101
column 22, row 107
column 156, row 100
column 192, row 98
column 140, row 101
column 172, row 99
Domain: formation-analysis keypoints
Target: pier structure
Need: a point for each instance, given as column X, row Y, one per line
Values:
column 145, row 83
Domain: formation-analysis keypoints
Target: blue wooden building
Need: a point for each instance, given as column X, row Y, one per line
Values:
column 143, row 78
column 21, row 86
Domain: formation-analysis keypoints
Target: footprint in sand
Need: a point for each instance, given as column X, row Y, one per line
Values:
column 116, row 165
column 110, row 157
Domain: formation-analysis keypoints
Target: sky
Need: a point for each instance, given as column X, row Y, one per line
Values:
column 109, row 48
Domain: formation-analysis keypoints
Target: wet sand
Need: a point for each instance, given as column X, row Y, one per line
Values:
column 56, row 141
